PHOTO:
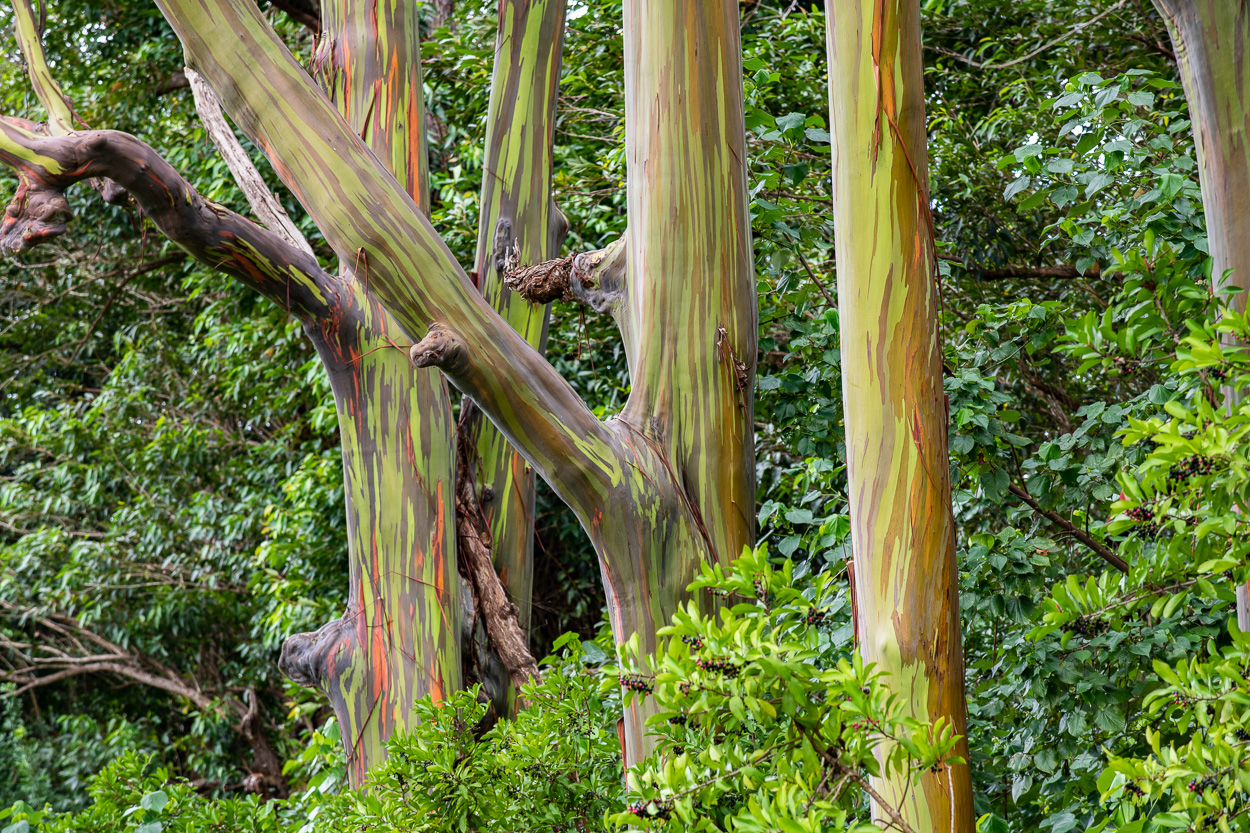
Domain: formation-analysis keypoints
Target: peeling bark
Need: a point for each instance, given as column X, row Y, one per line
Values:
column 898, row 471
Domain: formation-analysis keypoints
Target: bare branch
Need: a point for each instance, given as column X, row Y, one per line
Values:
column 217, row 237
column 1071, row 32
column 265, row 205
column 1101, row 550
column 1065, row 270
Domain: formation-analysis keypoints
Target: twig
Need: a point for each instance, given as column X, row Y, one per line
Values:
column 1067, row 526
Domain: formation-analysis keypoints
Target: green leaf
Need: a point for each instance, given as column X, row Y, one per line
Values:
column 791, row 121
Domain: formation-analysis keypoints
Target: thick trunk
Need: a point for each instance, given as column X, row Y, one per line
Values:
column 1210, row 39
column 519, row 223
column 903, row 536
column 399, row 639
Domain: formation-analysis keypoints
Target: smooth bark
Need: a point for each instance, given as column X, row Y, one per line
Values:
column 902, row 528
column 1210, row 39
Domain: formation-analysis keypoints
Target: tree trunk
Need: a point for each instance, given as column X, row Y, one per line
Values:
column 902, row 528
column 400, row 637
column 687, row 315
column 518, row 222
column 1210, row 39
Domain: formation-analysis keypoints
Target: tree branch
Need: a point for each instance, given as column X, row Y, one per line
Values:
column 1072, row 529
column 63, row 637
column 264, row 204
column 47, row 90
column 1073, row 31
column 215, row 236
column 1065, row 270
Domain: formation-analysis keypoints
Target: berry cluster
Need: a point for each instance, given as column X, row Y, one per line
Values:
column 1195, row 465
column 1217, row 374
column 695, row 642
column 1141, row 514
column 815, row 617
column 678, row 720
column 758, row 584
column 1122, row 365
column 654, row 810
column 1242, row 735
column 1133, row 789
column 720, row 666
column 1180, row 700
column 1201, row 785
column 1211, row 821
column 1087, row 626
column 684, row 686
column 637, row 682
column 1148, row 530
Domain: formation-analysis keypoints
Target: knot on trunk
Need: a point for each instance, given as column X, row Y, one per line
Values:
column 309, row 659
column 440, row 348
column 37, row 214
column 543, row 282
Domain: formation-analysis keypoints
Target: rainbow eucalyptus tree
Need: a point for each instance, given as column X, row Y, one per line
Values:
column 1210, row 39
column 902, row 528
column 414, row 514
column 663, row 486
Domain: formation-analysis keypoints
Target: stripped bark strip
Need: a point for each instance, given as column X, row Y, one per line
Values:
column 902, row 530
column 264, row 204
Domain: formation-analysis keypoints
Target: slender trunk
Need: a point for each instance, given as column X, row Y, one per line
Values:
column 903, row 535
column 519, row 222
column 399, row 639
column 687, row 314
column 1210, row 39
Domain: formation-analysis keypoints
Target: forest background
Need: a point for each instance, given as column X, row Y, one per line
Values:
column 171, row 485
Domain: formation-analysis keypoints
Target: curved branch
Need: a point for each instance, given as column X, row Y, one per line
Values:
column 213, row 235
